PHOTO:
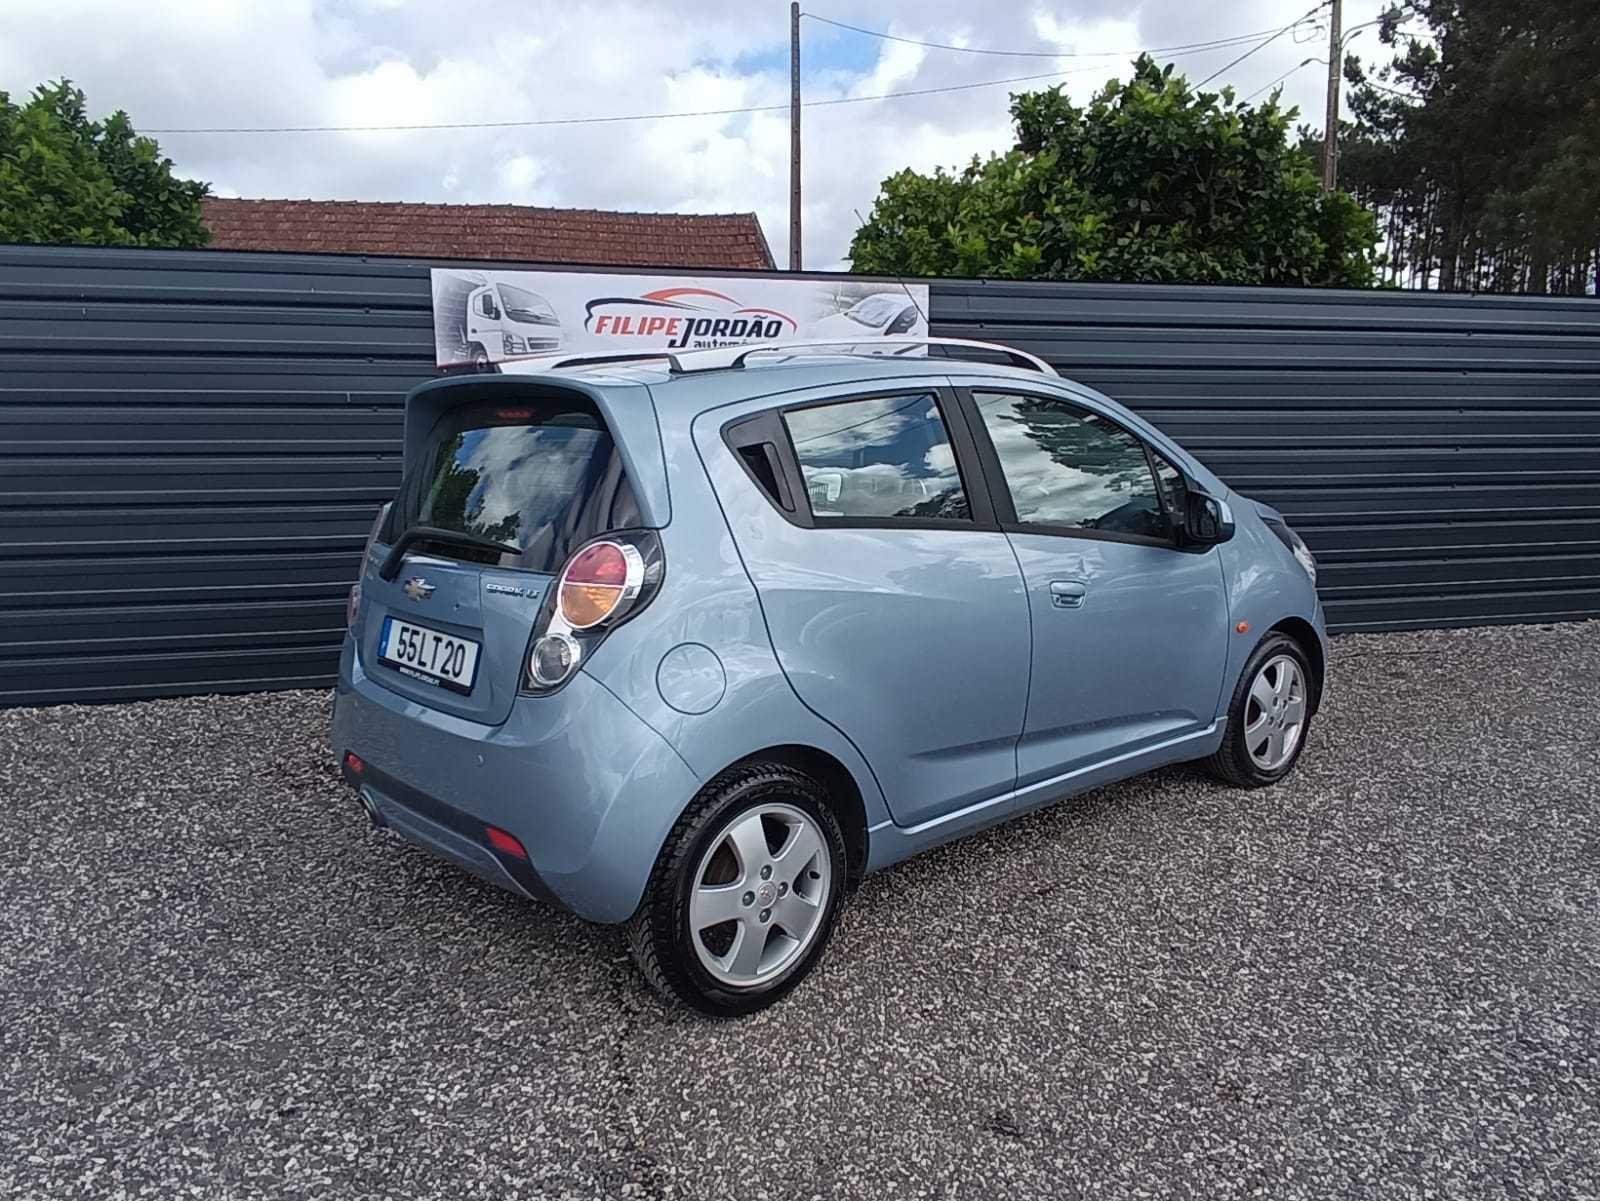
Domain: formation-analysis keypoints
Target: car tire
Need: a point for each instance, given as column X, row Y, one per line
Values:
column 753, row 831
column 480, row 358
column 1269, row 716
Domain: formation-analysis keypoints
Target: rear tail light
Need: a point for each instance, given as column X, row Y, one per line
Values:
column 552, row 659
column 352, row 606
column 597, row 581
column 604, row 583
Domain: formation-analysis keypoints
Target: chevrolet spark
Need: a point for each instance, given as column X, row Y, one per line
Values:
column 690, row 643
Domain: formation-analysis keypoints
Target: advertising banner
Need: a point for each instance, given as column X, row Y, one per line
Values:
column 490, row 316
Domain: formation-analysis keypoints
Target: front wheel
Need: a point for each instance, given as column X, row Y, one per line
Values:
column 1268, row 717
column 744, row 894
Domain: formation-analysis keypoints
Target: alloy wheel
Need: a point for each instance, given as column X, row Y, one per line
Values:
column 1275, row 714
column 760, row 893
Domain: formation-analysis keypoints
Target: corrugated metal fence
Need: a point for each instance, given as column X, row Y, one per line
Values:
column 192, row 445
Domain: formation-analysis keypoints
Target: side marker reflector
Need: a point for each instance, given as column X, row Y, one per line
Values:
column 1242, row 628
column 354, row 763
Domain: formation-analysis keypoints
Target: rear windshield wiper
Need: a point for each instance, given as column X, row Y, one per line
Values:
column 432, row 533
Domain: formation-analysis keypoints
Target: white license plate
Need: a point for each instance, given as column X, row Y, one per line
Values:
column 427, row 655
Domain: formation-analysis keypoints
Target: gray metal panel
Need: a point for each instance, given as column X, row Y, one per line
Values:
column 192, row 448
column 1440, row 453
column 193, row 444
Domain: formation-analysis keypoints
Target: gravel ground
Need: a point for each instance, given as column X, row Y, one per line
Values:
column 1379, row 979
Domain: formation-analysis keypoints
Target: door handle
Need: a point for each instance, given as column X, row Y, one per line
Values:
column 1068, row 594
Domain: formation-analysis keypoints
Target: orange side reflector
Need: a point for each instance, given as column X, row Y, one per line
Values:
column 1242, row 628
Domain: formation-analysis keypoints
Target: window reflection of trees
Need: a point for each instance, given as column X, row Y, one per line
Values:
column 1068, row 468
column 888, row 457
column 455, row 500
column 500, row 483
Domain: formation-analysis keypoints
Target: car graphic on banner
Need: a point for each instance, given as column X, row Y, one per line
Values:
column 487, row 316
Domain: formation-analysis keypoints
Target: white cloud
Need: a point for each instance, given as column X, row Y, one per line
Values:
column 368, row 62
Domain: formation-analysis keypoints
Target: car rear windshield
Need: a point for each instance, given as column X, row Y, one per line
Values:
column 540, row 476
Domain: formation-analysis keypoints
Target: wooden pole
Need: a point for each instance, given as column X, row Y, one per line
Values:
column 794, row 136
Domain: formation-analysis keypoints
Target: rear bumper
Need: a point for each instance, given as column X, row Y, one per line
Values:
column 588, row 788
column 448, row 832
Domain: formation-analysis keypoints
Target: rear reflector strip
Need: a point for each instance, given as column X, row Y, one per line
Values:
column 505, row 843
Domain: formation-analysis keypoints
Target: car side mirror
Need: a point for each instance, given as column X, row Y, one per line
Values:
column 1207, row 520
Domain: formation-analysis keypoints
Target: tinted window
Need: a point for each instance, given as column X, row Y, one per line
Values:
column 542, row 478
column 1068, row 467
column 881, row 458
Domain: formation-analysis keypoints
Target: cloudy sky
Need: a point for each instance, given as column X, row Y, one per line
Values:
column 210, row 63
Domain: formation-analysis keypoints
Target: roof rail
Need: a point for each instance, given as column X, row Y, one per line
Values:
column 687, row 362
column 1018, row 358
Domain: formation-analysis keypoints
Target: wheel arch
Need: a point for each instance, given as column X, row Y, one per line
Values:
column 1305, row 634
column 848, row 804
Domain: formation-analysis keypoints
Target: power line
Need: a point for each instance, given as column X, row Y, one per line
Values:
column 554, row 121
column 1191, row 47
column 1304, row 63
column 1265, row 42
column 1413, row 97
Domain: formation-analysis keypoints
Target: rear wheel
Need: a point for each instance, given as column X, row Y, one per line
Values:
column 744, row 895
column 1269, row 716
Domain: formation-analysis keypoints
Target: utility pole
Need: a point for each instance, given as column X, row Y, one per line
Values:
column 1330, row 130
column 794, row 135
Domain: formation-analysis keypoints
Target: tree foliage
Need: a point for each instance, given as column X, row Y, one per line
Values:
column 1151, row 181
column 1479, row 143
column 67, row 179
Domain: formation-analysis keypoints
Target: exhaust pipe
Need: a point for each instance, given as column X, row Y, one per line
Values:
column 374, row 816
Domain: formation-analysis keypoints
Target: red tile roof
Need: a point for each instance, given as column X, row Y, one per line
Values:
column 504, row 232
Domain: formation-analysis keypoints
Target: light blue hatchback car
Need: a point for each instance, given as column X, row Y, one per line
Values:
column 690, row 643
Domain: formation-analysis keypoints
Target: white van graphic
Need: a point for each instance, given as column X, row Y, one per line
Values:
column 504, row 321
column 480, row 321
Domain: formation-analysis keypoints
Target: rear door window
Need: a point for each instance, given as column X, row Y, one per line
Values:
column 878, row 459
column 539, row 477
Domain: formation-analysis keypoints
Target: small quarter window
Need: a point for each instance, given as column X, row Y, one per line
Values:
column 878, row 459
column 1173, row 490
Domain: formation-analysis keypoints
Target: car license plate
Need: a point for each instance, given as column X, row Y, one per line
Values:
column 443, row 660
